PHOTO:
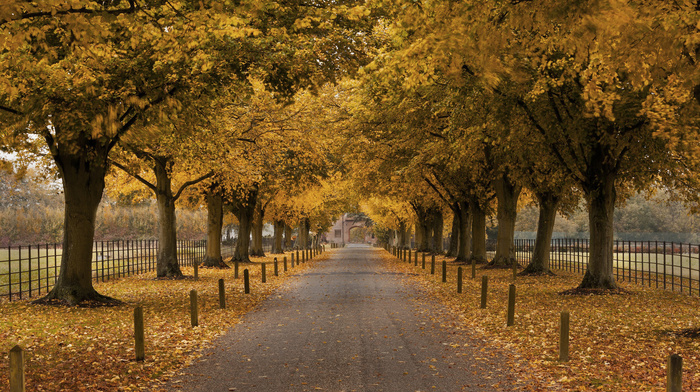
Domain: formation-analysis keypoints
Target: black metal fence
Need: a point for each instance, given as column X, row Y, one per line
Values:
column 28, row 271
column 668, row 265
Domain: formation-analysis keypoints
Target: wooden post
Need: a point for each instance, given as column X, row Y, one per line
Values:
column 262, row 272
column 303, row 257
column 432, row 265
column 284, row 263
column 196, row 271
column 459, row 280
column 222, row 295
column 423, row 260
column 510, row 320
column 409, row 256
column 473, row 268
column 139, row 336
column 246, row 281
column 235, row 269
column 277, row 271
column 515, row 271
column 298, row 260
column 293, row 260
column 194, row 312
column 17, row 381
column 416, row 259
column 564, row 337
column 484, row 290
column 674, row 373
column 444, row 271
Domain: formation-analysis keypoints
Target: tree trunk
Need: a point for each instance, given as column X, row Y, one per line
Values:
column 279, row 231
column 83, row 183
column 425, row 227
column 215, row 222
column 244, row 210
column 419, row 235
column 478, row 233
column 407, row 238
column 257, row 232
column 167, row 265
column 402, row 234
column 545, row 226
column 464, row 219
column 507, row 195
column 287, row 237
column 601, row 207
column 437, row 228
column 304, row 228
column 453, row 250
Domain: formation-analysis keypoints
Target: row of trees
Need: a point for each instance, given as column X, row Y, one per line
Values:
column 204, row 100
column 471, row 106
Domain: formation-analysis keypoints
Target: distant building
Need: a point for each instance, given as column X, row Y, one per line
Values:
column 350, row 230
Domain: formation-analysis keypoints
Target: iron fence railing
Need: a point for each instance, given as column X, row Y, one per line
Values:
column 668, row 265
column 28, row 271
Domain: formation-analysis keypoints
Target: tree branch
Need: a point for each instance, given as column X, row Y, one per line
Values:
column 136, row 176
column 192, row 182
column 84, row 10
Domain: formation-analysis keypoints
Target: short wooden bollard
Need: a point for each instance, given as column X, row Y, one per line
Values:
column 473, row 268
column 277, row 271
column 222, row 295
column 423, row 260
column 235, row 270
column 444, row 271
column 139, row 335
column 459, row 280
column 303, row 257
column 196, row 271
column 564, row 337
column 510, row 319
column 409, row 256
column 293, row 260
column 484, row 290
column 674, row 373
column 432, row 265
column 284, row 263
column 194, row 311
column 246, row 281
column 17, row 380
column 515, row 271
column 416, row 259
column 308, row 254
column 262, row 272
column 298, row 259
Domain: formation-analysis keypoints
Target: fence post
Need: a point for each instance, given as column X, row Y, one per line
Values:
column 674, row 373
column 277, row 271
column 17, row 381
column 139, row 336
column 235, row 269
column 564, row 337
column 222, row 295
column 284, row 263
column 262, row 272
column 246, row 281
column 444, row 271
column 423, row 260
column 194, row 311
column 415, row 264
column 196, row 271
column 484, row 290
column 432, row 265
column 510, row 320
column 459, row 280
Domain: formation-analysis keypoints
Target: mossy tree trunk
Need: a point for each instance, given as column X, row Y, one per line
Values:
column 277, row 245
column 453, row 250
column 82, row 176
column 478, row 232
column 507, row 193
column 257, row 231
column 548, row 203
column 464, row 219
column 215, row 220
column 287, row 237
column 244, row 208
column 438, row 225
column 600, row 197
column 167, row 265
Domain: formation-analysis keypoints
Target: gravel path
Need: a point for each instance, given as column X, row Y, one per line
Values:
column 348, row 324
